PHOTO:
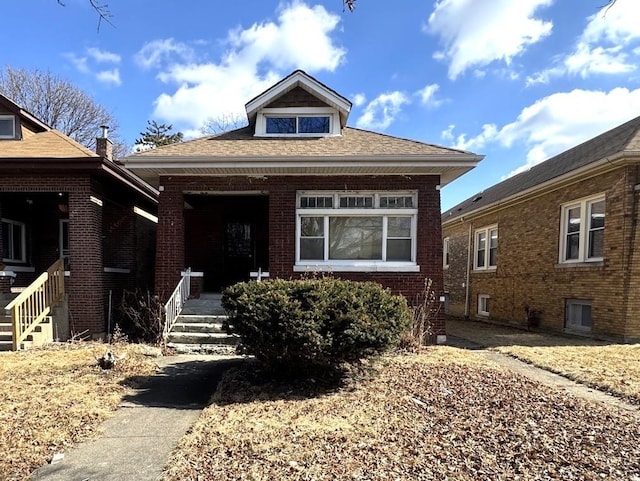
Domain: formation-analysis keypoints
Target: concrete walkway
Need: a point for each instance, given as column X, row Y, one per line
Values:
column 137, row 441
column 455, row 331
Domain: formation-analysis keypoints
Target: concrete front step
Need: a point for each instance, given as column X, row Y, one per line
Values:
column 218, row 349
column 202, row 318
column 213, row 327
column 201, row 338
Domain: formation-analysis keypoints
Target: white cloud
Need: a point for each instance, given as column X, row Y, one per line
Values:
column 382, row 111
column 427, row 95
column 603, row 47
column 103, row 56
column 256, row 58
column 109, row 77
column 558, row 122
column 87, row 65
column 359, row 99
column 154, row 53
column 80, row 63
column 475, row 34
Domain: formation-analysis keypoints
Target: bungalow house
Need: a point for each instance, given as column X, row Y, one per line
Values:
column 298, row 192
column 557, row 245
column 73, row 214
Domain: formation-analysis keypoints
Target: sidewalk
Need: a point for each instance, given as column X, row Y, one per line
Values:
column 137, row 441
column 474, row 335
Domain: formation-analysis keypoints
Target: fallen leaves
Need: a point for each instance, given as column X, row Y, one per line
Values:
column 418, row 419
column 55, row 397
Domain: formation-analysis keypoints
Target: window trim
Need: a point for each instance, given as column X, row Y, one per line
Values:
column 354, row 265
column 61, row 250
column 334, row 120
column 482, row 308
column 445, row 253
column 577, row 302
column 23, row 241
column 584, row 204
column 12, row 118
column 487, row 251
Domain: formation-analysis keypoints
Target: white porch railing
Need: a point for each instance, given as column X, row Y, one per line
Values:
column 33, row 305
column 174, row 305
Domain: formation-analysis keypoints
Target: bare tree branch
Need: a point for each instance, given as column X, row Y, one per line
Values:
column 104, row 14
column 223, row 123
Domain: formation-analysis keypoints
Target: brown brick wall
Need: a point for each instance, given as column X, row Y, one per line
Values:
column 282, row 206
column 529, row 272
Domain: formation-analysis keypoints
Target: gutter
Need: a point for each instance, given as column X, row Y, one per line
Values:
column 467, row 293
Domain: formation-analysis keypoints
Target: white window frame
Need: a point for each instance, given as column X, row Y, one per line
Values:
column 487, row 250
column 571, row 303
column 334, row 120
column 12, row 120
column 585, row 215
column 22, row 240
column 64, row 253
column 483, row 300
column 445, row 252
column 373, row 265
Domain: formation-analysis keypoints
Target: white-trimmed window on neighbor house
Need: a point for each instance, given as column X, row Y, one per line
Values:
column 445, row 252
column 356, row 231
column 484, row 302
column 486, row 248
column 578, row 315
column 7, row 127
column 13, row 241
column 582, row 230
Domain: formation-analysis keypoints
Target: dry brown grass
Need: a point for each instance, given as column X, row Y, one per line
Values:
column 609, row 367
column 55, row 397
column 443, row 415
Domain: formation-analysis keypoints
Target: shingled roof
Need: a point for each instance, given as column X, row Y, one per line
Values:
column 624, row 139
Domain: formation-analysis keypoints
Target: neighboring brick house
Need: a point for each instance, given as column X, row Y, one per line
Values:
column 559, row 241
column 59, row 199
column 298, row 192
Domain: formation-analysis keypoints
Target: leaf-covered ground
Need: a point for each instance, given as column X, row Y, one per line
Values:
column 608, row 367
column 55, row 397
column 442, row 415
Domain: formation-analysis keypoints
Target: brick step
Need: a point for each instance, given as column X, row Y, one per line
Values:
column 201, row 338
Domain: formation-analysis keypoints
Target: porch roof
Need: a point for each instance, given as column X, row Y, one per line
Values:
column 355, row 152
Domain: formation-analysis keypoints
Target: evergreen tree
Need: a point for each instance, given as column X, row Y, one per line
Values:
column 157, row 135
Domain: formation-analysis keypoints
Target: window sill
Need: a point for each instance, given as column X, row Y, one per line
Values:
column 382, row 267
column 19, row 268
column 482, row 271
column 569, row 265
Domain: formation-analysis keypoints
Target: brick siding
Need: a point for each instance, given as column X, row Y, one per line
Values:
column 282, row 206
column 528, row 269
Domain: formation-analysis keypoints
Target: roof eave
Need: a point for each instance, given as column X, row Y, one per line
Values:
column 595, row 168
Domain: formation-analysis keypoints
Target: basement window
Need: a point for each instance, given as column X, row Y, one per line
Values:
column 578, row 315
column 483, row 305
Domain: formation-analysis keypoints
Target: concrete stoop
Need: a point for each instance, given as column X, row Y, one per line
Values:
column 198, row 329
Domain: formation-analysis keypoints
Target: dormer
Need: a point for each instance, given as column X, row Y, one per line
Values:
column 16, row 123
column 298, row 106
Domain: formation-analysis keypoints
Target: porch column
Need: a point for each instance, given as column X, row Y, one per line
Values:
column 86, row 283
column 170, row 240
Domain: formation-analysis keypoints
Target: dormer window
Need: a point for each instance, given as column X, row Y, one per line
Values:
column 297, row 122
column 7, row 127
column 298, row 125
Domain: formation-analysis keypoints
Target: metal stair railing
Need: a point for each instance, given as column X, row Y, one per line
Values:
column 174, row 305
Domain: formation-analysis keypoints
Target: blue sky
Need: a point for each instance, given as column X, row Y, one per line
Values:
column 517, row 81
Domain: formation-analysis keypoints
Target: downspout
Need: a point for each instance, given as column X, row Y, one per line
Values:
column 468, row 277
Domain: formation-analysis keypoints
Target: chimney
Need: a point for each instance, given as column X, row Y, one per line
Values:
column 104, row 145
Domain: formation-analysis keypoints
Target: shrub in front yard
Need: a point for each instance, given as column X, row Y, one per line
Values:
column 300, row 323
